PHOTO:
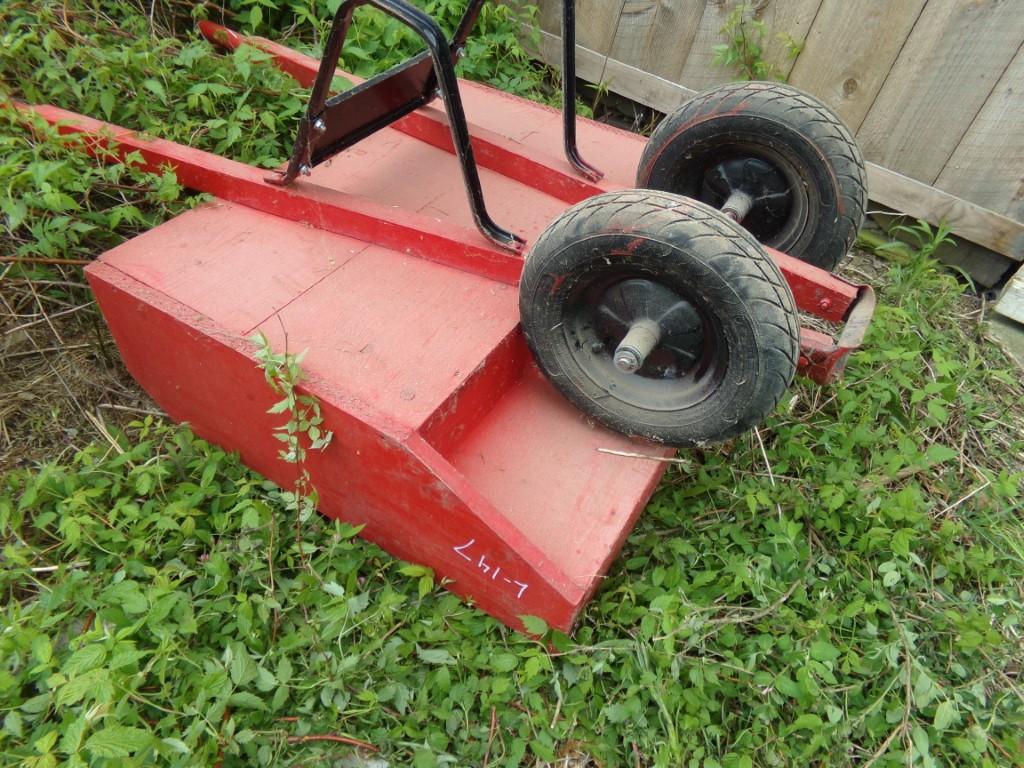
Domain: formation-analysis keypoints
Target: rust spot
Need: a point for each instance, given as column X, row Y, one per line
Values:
column 634, row 244
column 556, row 283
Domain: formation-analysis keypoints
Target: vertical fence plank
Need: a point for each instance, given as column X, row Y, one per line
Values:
column 633, row 31
column 850, row 50
column 699, row 70
column 785, row 21
column 953, row 58
column 988, row 165
column 596, row 21
column 792, row 18
column 673, row 30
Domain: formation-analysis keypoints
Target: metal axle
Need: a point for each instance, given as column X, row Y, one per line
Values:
column 738, row 206
column 636, row 345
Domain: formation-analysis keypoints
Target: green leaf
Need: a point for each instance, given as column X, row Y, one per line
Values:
column 806, row 721
column 177, row 745
column 787, row 687
column 246, row 700
column 107, row 101
column 126, row 594
column 45, row 743
column 156, row 88
column 945, row 715
column 13, row 724
column 534, row 625
column 504, row 662
column 118, row 741
column 824, row 651
column 243, row 666
column 85, row 658
column 937, row 453
column 72, row 737
column 435, row 656
column 920, row 738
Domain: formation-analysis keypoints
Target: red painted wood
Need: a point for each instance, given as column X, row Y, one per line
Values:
column 534, row 167
column 518, row 140
column 302, row 201
column 413, row 502
column 396, row 332
column 816, row 291
column 514, row 459
column 379, row 471
column 400, row 173
column 470, row 403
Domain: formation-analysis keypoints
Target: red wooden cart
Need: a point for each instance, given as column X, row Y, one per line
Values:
column 451, row 447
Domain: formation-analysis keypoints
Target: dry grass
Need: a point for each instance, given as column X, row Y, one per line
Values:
column 61, row 378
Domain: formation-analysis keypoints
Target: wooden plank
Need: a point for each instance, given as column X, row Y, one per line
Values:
column 596, row 21
column 698, row 71
column 967, row 220
column 1011, row 303
column 870, row 35
column 656, row 35
column 623, row 79
column 952, row 60
column 789, row 17
column 788, row 20
column 988, row 165
column 632, row 30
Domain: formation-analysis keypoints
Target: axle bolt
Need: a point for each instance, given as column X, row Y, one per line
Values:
column 319, row 125
column 738, row 206
column 636, row 345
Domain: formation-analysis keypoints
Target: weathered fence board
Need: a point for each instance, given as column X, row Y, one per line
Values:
column 952, row 60
column 851, row 49
column 934, row 89
column 673, row 27
column 997, row 132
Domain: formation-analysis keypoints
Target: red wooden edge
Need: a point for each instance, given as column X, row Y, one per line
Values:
column 492, row 151
column 302, row 201
column 815, row 290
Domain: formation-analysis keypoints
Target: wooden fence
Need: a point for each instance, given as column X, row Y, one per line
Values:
column 933, row 89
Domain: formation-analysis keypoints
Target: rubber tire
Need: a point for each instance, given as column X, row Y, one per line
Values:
column 781, row 119
column 711, row 260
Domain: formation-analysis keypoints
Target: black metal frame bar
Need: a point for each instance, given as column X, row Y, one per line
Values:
column 572, row 153
column 333, row 124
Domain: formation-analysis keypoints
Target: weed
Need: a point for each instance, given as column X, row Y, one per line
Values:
column 494, row 53
column 283, row 373
column 744, row 49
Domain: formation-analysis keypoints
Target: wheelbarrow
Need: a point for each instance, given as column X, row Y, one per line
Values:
column 508, row 439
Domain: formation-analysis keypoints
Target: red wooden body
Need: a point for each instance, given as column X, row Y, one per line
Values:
column 449, row 446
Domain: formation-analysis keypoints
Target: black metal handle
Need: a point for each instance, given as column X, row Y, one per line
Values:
column 572, row 153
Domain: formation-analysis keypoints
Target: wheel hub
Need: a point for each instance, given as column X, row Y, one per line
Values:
column 769, row 193
column 654, row 332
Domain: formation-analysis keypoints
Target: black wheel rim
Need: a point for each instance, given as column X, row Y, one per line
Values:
column 773, row 177
column 683, row 369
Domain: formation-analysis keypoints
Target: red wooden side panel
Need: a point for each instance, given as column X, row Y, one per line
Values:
column 412, row 502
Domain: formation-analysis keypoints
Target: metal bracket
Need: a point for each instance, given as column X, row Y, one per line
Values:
column 331, row 125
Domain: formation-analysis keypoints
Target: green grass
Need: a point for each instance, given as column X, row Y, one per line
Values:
column 849, row 595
